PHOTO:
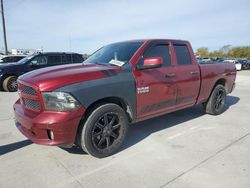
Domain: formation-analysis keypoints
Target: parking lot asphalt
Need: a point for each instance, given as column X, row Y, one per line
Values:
column 183, row 149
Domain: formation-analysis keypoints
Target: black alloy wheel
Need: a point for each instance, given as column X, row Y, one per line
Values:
column 219, row 99
column 216, row 102
column 103, row 131
column 106, row 130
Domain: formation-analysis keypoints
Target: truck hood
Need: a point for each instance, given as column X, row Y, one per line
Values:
column 49, row 79
column 5, row 65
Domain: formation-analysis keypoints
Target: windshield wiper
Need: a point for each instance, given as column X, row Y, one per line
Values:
column 97, row 63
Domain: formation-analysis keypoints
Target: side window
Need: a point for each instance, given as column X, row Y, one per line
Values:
column 9, row 59
column 69, row 58
column 17, row 58
column 183, row 55
column 64, row 59
column 38, row 61
column 161, row 50
column 54, row 60
column 77, row 58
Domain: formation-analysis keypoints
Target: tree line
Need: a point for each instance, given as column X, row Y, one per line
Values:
column 226, row 51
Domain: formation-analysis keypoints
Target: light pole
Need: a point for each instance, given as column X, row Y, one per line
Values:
column 4, row 29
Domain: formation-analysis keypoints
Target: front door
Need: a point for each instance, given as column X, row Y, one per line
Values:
column 37, row 62
column 156, row 88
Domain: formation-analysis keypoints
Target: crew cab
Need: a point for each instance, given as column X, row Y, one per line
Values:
column 9, row 72
column 92, row 104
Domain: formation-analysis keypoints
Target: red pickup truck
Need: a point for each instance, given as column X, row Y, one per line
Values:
column 91, row 104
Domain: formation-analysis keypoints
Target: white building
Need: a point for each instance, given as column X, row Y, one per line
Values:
column 15, row 51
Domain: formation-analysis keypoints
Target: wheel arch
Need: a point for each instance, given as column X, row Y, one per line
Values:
column 7, row 75
column 221, row 81
column 116, row 100
column 4, row 77
column 209, row 104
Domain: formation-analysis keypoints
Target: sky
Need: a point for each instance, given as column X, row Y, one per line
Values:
column 84, row 26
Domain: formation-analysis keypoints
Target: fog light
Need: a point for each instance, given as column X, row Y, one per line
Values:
column 50, row 134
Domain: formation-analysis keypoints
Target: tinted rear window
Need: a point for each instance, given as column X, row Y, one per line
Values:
column 69, row 58
column 77, row 58
column 72, row 58
column 54, row 59
column 183, row 55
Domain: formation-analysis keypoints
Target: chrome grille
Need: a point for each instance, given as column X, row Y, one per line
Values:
column 32, row 104
column 28, row 90
column 30, row 100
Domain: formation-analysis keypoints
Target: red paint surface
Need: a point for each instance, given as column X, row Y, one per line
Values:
column 51, row 78
column 63, row 124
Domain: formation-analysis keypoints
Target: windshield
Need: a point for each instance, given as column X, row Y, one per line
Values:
column 115, row 54
column 24, row 60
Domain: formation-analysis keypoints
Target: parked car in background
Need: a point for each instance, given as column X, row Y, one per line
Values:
column 219, row 60
column 245, row 64
column 248, row 64
column 206, row 59
column 238, row 65
column 11, row 58
column 9, row 72
column 236, row 62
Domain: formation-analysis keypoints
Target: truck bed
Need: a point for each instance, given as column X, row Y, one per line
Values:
column 211, row 73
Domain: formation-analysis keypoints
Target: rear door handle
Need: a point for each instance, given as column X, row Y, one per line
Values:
column 194, row 72
column 170, row 75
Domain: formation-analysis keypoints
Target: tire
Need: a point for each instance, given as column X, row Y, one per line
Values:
column 216, row 102
column 104, row 131
column 10, row 84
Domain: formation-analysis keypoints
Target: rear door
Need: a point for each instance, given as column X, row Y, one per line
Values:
column 67, row 59
column 187, row 75
column 54, row 60
column 72, row 58
column 77, row 58
column 156, row 88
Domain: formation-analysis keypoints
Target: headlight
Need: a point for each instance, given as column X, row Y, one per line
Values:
column 59, row 101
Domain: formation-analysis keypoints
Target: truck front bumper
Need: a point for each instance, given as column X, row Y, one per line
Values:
column 48, row 127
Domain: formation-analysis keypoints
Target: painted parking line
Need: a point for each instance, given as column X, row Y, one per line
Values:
column 175, row 136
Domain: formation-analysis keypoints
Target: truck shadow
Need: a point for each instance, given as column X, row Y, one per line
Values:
column 14, row 146
column 230, row 101
column 74, row 150
column 139, row 131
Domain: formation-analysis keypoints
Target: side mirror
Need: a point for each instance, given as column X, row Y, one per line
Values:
column 150, row 63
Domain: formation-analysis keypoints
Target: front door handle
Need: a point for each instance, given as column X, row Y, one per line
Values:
column 194, row 72
column 170, row 75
